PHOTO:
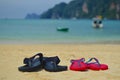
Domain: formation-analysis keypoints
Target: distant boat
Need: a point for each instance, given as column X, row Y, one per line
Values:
column 97, row 23
column 65, row 29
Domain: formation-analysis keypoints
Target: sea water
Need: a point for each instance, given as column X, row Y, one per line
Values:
column 45, row 31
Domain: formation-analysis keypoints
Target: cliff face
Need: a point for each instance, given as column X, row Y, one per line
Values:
column 55, row 12
column 109, row 9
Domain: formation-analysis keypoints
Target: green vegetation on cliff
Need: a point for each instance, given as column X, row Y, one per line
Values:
column 109, row 9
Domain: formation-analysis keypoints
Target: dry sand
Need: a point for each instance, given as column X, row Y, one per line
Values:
column 11, row 56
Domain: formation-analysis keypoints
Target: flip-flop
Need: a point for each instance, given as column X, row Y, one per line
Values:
column 53, row 58
column 32, row 63
column 78, row 65
column 96, row 65
column 51, row 64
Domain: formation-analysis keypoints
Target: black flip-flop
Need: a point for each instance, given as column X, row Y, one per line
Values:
column 53, row 58
column 51, row 64
column 32, row 63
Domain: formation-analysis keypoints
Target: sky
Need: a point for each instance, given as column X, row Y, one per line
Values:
column 19, row 8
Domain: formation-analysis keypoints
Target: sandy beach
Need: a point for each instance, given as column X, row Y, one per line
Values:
column 11, row 56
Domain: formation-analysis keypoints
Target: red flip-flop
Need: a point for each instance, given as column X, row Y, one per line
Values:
column 78, row 65
column 96, row 65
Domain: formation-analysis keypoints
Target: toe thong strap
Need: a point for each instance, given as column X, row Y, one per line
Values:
column 79, row 60
column 96, row 60
column 29, row 61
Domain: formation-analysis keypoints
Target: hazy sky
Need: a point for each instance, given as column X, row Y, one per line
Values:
column 19, row 8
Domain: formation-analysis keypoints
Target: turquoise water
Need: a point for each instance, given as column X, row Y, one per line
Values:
column 44, row 31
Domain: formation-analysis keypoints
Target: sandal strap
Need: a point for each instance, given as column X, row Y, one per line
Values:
column 97, row 61
column 80, row 60
column 38, row 54
column 29, row 61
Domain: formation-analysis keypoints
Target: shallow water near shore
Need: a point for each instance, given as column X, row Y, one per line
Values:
column 45, row 31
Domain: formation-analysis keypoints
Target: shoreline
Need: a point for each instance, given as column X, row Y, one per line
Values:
column 57, row 42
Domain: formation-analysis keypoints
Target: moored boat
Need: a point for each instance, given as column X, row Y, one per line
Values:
column 62, row 29
column 97, row 23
